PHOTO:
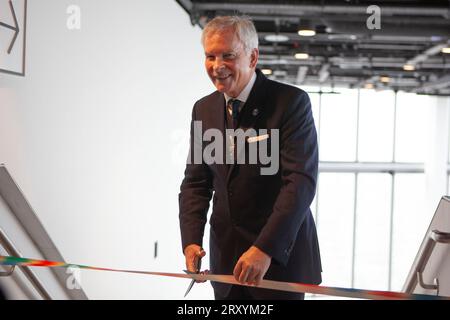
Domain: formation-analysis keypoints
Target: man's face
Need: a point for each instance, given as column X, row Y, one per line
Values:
column 228, row 64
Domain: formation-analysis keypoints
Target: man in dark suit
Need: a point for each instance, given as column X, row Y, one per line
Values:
column 261, row 224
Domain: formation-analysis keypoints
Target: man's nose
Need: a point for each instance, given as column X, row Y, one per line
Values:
column 218, row 64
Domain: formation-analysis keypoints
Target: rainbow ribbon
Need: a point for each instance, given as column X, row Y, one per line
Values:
column 266, row 284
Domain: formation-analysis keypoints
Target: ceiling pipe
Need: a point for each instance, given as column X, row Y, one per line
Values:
column 324, row 73
column 300, row 10
column 426, row 54
column 301, row 74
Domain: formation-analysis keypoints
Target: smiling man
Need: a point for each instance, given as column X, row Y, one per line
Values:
column 261, row 225
column 229, row 63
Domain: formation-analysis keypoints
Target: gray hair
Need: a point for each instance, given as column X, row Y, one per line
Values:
column 242, row 26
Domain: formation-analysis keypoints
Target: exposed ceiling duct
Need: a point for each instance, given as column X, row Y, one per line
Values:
column 426, row 54
column 344, row 51
column 301, row 75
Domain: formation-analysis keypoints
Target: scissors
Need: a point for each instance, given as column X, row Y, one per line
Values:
column 197, row 267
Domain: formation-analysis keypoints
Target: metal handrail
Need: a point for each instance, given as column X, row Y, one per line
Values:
column 7, row 273
column 11, row 250
column 35, row 232
column 433, row 237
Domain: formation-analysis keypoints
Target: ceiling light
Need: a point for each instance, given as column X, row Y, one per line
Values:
column 445, row 50
column 385, row 79
column 306, row 32
column 266, row 71
column 301, row 55
column 409, row 67
column 276, row 38
column 306, row 29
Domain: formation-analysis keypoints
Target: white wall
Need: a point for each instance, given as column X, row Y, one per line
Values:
column 96, row 136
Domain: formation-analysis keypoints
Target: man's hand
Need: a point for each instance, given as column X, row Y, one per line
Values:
column 252, row 266
column 193, row 254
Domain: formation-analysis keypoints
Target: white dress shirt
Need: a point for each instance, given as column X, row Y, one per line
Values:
column 243, row 96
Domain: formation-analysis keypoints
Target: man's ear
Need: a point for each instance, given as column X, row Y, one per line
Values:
column 254, row 57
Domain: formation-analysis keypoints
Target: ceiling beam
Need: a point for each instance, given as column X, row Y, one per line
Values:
column 305, row 10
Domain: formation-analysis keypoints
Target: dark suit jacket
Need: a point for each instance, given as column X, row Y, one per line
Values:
column 268, row 211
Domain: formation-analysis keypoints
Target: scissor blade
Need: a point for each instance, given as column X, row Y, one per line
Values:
column 189, row 288
column 189, row 272
column 197, row 267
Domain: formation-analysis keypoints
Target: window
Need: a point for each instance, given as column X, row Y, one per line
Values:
column 372, row 231
column 411, row 123
column 338, row 126
column 410, row 221
column 376, row 126
column 369, row 208
column 335, row 226
column 315, row 106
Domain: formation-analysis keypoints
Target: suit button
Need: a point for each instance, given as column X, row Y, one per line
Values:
column 230, row 193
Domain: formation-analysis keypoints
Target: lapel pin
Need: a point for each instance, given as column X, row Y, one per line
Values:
column 255, row 112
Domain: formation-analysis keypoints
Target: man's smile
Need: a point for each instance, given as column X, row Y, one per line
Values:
column 221, row 78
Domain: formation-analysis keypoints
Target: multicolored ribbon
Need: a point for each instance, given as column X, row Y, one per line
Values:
column 267, row 284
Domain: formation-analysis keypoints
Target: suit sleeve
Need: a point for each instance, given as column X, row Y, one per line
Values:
column 299, row 166
column 195, row 193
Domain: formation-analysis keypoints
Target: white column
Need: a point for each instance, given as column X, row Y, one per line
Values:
column 437, row 152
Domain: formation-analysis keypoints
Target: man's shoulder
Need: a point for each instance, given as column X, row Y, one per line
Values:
column 286, row 96
column 283, row 89
column 207, row 101
column 212, row 97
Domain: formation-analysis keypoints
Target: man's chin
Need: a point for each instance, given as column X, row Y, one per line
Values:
column 221, row 88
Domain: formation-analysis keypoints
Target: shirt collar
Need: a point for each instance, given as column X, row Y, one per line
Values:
column 243, row 96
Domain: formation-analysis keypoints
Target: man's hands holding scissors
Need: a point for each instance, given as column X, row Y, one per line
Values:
column 250, row 269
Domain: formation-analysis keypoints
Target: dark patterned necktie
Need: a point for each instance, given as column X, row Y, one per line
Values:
column 234, row 103
column 232, row 120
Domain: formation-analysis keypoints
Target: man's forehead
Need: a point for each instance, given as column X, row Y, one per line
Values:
column 223, row 33
column 222, row 43
column 222, row 50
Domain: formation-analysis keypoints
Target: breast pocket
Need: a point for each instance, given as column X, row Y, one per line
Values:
column 263, row 154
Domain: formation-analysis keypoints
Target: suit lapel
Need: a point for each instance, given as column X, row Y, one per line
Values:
column 252, row 110
column 218, row 120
